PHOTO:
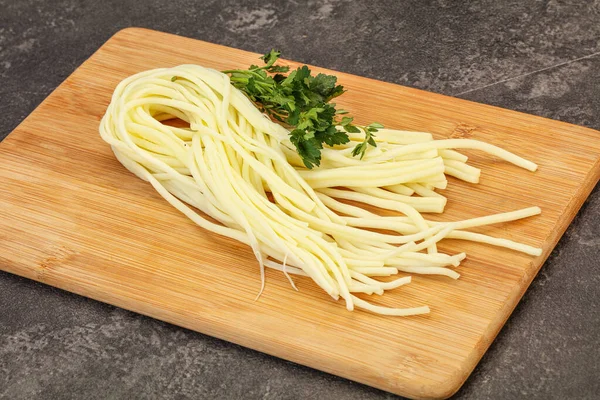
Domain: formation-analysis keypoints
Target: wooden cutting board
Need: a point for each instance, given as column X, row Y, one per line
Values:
column 71, row 216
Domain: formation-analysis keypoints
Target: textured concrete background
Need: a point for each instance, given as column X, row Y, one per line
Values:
column 540, row 57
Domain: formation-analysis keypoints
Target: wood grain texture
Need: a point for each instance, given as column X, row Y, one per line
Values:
column 71, row 216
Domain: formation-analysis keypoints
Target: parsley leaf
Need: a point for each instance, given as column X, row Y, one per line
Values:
column 346, row 121
column 369, row 130
column 270, row 58
column 309, row 148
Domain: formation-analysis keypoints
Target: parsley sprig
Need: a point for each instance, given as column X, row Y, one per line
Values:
column 302, row 102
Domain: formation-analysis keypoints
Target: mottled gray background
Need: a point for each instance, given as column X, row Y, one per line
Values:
column 540, row 57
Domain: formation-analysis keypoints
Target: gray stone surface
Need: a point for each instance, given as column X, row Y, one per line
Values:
column 540, row 57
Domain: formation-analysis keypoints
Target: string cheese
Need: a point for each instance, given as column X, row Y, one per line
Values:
column 237, row 167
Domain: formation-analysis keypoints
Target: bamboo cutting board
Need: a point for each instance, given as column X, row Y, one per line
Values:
column 71, row 216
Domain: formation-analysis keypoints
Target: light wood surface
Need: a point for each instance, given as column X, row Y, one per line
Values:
column 71, row 216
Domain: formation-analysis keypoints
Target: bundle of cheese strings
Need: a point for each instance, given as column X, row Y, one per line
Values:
column 237, row 166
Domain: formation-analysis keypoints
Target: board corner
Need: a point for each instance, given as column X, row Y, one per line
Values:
column 443, row 390
column 130, row 31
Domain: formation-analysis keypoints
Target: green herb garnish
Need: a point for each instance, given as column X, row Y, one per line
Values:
column 303, row 102
column 370, row 129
